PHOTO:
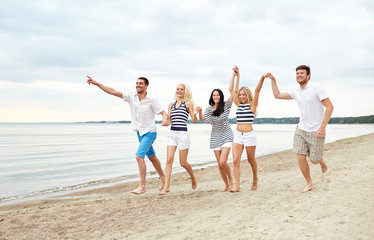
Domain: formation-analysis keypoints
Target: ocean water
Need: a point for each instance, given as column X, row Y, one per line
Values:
column 37, row 159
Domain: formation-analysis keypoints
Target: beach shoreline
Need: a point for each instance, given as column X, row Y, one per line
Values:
column 340, row 207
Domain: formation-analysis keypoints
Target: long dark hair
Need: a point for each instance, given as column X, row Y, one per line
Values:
column 221, row 104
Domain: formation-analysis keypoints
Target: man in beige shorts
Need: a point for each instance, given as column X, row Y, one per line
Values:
column 309, row 138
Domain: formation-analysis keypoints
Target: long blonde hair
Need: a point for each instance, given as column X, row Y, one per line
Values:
column 248, row 92
column 187, row 94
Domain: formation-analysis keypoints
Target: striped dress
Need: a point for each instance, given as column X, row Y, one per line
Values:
column 244, row 114
column 179, row 117
column 221, row 130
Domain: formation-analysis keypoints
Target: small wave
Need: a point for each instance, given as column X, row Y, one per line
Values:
column 92, row 184
column 69, row 188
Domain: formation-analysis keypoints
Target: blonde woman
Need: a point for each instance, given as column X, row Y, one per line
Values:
column 244, row 136
column 178, row 137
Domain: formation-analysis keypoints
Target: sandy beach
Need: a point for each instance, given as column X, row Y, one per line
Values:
column 341, row 206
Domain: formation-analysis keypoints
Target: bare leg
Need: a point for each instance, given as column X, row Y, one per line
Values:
column 251, row 159
column 237, row 150
column 168, row 168
column 221, row 171
column 223, row 164
column 157, row 165
column 142, row 173
column 183, row 161
column 323, row 165
column 305, row 170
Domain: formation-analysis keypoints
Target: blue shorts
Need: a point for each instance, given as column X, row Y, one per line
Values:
column 145, row 146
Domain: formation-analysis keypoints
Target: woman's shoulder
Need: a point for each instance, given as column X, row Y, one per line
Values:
column 188, row 103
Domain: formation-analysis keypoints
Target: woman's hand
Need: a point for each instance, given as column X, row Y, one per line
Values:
column 198, row 109
column 236, row 70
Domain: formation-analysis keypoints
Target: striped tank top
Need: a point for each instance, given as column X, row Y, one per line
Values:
column 244, row 114
column 179, row 117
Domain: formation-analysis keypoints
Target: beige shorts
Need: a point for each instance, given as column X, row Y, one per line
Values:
column 306, row 143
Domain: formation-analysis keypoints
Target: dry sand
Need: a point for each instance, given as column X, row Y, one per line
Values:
column 340, row 206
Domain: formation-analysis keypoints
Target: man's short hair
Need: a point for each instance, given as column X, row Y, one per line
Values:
column 145, row 80
column 304, row 67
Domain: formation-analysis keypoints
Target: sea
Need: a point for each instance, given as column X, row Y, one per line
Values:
column 38, row 160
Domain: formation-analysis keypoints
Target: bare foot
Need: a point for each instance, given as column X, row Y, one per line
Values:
column 194, row 183
column 254, row 185
column 163, row 191
column 323, row 166
column 139, row 190
column 231, row 184
column 225, row 189
column 307, row 188
column 235, row 189
column 162, row 183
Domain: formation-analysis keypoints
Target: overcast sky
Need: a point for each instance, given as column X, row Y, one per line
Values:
column 48, row 47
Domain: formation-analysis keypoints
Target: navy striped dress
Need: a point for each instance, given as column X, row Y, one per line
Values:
column 179, row 117
column 221, row 130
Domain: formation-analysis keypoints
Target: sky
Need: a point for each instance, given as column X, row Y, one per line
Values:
column 47, row 48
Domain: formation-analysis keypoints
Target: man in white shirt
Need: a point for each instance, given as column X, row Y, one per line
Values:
column 143, row 111
column 309, row 135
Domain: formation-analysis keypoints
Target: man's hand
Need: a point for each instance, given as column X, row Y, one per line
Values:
column 320, row 133
column 269, row 75
column 91, row 81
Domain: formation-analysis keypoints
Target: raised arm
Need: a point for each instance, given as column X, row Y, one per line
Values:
column 234, row 90
column 106, row 89
column 276, row 92
column 257, row 93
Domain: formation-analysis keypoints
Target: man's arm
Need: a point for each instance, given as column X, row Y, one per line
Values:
column 276, row 92
column 106, row 89
column 328, row 112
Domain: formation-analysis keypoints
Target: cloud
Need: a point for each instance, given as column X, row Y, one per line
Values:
column 48, row 47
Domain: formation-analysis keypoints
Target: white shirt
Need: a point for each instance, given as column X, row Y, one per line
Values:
column 143, row 112
column 310, row 106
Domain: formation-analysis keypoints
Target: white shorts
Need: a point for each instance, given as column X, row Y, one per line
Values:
column 228, row 144
column 179, row 138
column 248, row 139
